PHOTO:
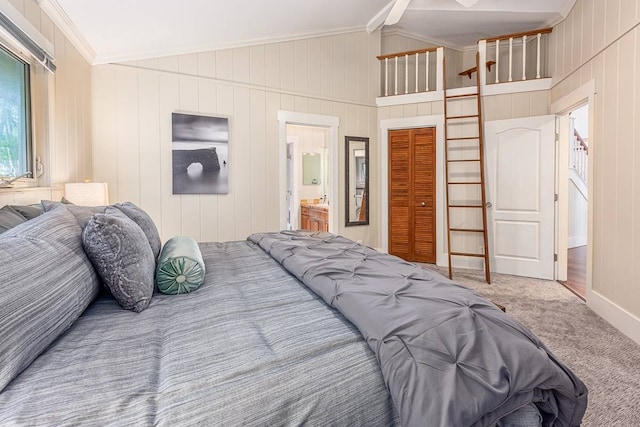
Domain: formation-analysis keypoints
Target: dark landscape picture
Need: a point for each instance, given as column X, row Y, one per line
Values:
column 200, row 152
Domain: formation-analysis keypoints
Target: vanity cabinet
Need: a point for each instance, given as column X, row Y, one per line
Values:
column 314, row 218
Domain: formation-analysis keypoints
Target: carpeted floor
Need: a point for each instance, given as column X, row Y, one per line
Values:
column 604, row 359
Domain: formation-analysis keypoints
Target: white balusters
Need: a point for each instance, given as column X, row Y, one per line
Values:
column 578, row 157
column 406, row 74
column 497, row 60
column 414, row 59
column 386, row 76
column 417, row 62
column 538, row 57
column 396, row 76
column 426, row 76
column 511, row 59
column 524, row 57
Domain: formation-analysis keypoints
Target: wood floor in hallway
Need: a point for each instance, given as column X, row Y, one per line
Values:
column 577, row 271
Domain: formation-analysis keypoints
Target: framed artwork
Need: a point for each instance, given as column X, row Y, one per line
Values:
column 200, row 154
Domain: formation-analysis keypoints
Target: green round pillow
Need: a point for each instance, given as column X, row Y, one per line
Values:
column 180, row 266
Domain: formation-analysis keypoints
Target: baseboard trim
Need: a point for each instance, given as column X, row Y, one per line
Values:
column 620, row 318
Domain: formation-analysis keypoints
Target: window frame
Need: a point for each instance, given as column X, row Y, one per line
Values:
column 29, row 129
column 41, row 102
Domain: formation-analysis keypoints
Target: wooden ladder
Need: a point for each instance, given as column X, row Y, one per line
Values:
column 465, row 143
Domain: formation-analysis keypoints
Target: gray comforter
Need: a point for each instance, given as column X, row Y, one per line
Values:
column 251, row 347
column 448, row 356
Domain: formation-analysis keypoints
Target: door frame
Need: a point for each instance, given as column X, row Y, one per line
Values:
column 386, row 125
column 561, row 108
column 314, row 120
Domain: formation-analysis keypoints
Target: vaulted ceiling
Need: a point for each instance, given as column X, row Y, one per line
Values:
column 121, row 30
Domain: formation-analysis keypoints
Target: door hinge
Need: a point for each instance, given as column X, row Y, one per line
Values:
column 557, row 137
column 555, row 257
column 555, row 197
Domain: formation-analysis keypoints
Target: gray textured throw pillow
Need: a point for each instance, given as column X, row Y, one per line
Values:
column 145, row 222
column 120, row 252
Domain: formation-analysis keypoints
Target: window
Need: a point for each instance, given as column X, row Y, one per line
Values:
column 15, row 116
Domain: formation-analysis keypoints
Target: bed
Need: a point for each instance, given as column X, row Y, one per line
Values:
column 265, row 340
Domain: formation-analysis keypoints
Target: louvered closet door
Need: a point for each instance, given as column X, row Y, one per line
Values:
column 412, row 194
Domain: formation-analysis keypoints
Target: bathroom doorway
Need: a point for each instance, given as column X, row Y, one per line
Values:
column 308, row 171
column 307, row 175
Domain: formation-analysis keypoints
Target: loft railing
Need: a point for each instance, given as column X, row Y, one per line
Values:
column 507, row 58
column 413, row 71
column 525, row 56
column 578, row 155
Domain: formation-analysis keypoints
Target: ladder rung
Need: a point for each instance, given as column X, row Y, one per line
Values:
column 461, row 96
column 462, row 117
column 466, row 206
column 467, row 230
column 464, row 183
column 467, row 254
column 459, row 161
column 463, row 138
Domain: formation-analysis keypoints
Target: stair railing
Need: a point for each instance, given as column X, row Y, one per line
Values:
column 513, row 49
column 578, row 155
column 411, row 71
column 416, row 71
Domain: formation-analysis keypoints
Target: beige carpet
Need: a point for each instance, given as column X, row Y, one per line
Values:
column 606, row 360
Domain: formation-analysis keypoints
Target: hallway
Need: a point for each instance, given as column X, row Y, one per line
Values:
column 577, row 272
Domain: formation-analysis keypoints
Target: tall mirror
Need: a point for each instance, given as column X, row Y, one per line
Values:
column 357, row 180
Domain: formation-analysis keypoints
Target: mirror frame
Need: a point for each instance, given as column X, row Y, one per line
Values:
column 347, row 162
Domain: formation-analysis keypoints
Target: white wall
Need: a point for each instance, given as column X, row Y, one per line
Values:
column 68, row 156
column 577, row 212
column 601, row 41
column 132, row 104
column 309, row 140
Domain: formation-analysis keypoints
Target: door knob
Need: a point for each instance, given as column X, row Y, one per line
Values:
column 489, row 204
column 423, row 204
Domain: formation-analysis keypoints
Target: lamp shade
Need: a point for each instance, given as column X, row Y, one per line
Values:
column 87, row 193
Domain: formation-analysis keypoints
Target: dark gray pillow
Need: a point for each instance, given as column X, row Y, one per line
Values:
column 82, row 213
column 120, row 253
column 9, row 218
column 145, row 222
column 28, row 211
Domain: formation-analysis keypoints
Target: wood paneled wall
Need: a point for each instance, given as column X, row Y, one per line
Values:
column 601, row 41
column 68, row 156
column 132, row 105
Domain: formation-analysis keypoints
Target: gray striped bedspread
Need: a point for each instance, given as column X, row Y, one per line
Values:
column 449, row 356
column 251, row 347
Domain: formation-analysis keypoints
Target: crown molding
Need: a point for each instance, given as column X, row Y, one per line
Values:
column 59, row 17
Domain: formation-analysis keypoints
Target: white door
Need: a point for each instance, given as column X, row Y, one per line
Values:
column 520, row 195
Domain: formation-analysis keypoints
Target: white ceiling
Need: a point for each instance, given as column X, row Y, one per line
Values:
column 121, row 30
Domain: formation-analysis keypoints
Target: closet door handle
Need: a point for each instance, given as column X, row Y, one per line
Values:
column 423, row 204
